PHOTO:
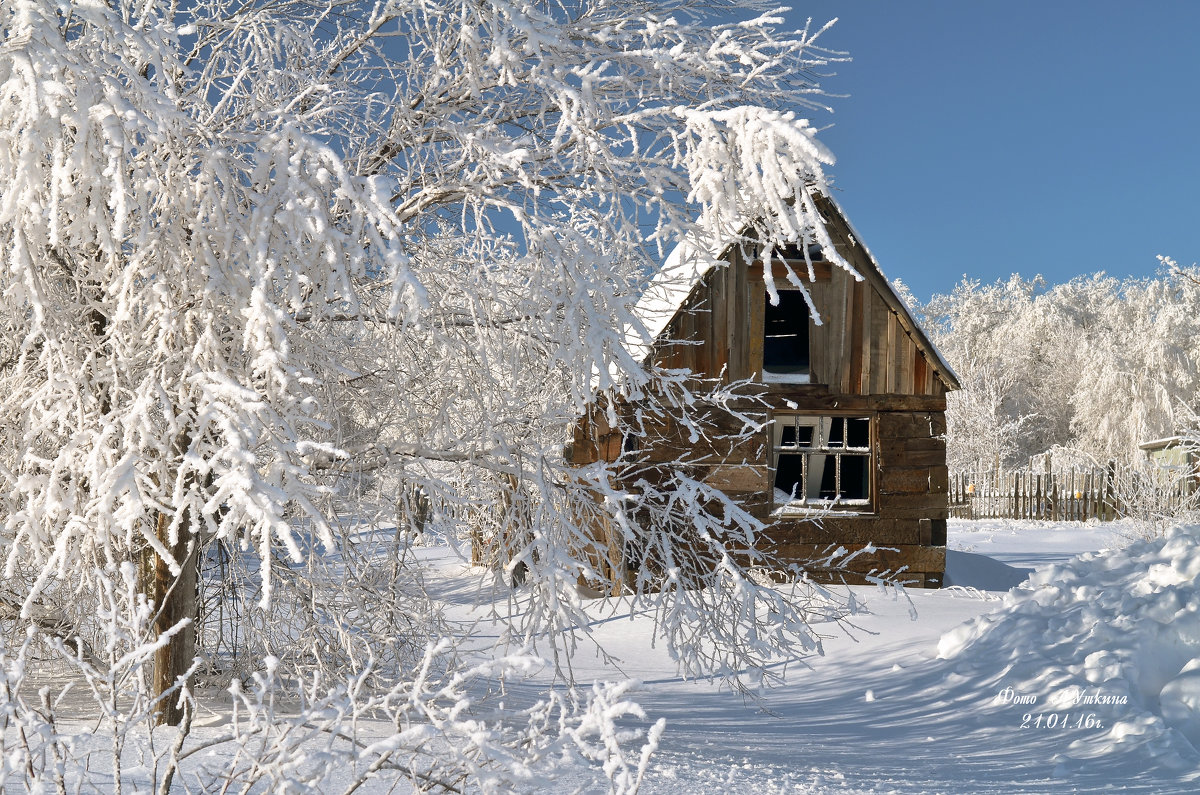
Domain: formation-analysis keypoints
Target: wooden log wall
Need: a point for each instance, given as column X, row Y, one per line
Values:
column 906, row 523
column 907, row 517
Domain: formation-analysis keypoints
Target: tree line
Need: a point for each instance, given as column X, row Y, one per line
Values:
column 1080, row 373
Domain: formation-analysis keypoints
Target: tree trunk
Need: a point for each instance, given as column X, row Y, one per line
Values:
column 175, row 599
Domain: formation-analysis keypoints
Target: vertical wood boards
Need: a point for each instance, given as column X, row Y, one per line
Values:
column 904, row 360
column 719, row 312
column 858, row 366
column 737, row 332
column 920, row 373
column 706, row 352
column 757, row 299
column 838, row 320
column 818, row 336
column 891, row 382
column 688, row 352
column 868, row 340
column 862, row 347
column 880, row 346
column 741, row 331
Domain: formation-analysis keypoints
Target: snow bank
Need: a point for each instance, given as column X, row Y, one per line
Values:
column 1104, row 647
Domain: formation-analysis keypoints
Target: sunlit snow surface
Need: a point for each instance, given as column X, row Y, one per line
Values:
column 994, row 713
column 977, row 694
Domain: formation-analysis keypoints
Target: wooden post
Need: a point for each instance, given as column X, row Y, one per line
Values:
column 1017, row 495
column 1054, row 497
column 1110, row 475
column 1072, row 508
column 1089, row 502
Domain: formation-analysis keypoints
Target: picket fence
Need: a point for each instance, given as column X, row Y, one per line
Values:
column 1069, row 495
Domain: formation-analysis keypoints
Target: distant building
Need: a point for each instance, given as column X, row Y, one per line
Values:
column 1178, row 457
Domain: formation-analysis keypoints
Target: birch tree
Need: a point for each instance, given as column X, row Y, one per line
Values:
column 1097, row 365
column 228, row 226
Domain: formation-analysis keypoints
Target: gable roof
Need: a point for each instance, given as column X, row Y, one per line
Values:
column 690, row 262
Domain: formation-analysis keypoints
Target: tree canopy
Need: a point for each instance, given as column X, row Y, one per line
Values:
column 259, row 257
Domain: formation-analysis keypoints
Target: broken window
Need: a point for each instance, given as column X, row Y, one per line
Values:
column 822, row 460
column 785, row 338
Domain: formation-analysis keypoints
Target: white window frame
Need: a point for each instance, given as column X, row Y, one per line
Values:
column 811, row 442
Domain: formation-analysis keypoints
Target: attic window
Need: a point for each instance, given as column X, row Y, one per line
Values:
column 785, row 339
column 793, row 252
column 821, row 461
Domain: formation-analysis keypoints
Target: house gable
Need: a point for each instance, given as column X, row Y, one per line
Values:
column 867, row 342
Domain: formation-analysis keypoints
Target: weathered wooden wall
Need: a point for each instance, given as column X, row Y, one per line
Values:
column 862, row 347
column 867, row 358
column 909, row 490
column 908, row 515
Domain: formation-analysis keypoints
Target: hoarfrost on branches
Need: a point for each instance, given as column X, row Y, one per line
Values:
column 1097, row 365
column 1079, row 375
column 266, row 265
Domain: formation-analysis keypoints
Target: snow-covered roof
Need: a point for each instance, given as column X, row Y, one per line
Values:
column 689, row 262
column 684, row 267
column 1169, row 441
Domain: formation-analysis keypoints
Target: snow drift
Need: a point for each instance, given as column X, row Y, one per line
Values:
column 1104, row 647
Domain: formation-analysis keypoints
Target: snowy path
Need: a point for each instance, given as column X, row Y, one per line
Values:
column 881, row 713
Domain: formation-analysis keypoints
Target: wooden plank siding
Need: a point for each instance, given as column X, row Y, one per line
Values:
column 879, row 353
column 861, row 347
column 868, row 358
column 855, row 373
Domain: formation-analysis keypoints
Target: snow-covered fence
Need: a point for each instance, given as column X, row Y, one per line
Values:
column 1103, row 493
column 1024, row 494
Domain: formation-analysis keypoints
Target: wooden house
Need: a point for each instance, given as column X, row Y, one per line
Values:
column 852, row 449
column 1177, row 459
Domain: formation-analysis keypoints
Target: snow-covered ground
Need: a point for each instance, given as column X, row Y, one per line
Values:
column 1061, row 658
column 1072, row 682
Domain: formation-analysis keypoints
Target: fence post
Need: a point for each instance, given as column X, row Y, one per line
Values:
column 1053, row 497
column 1020, row 494
column 1110, row 475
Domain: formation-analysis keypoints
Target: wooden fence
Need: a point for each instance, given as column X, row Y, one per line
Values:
column 1074, row 494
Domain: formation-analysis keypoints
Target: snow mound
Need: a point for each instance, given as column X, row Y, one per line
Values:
column 1104, row 648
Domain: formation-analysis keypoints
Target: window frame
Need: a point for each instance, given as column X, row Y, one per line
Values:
column 820, row 443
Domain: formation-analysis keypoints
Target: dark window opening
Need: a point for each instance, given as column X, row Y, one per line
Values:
column 793, row 251
column 822, row 460
column 789, row 475
column 852, row 482
column 858, row 433
column 796, row 436
column 785, row 335
column 852, row 432
column 837, row 434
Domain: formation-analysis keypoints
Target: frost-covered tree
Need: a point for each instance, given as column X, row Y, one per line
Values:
column 164, row 217
column 1095, row 366
column 251, row 246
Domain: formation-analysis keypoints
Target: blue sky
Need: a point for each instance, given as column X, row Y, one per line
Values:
column 984, row 138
